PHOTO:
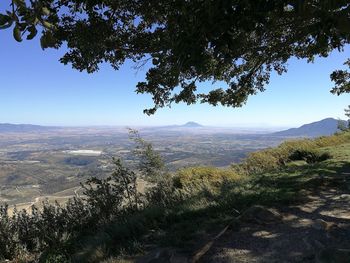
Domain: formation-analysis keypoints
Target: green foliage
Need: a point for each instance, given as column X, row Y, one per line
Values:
column 204, row 175
column 337, row 139
column 8, row 238
column 258, row 162
column 276, row 158
column 54, row 257
column 341, row 78
column 150, row 163
column 111, row 196
column 345, row 126
column 310, row 156
column 239, row 43
column 347, row 112
column 113, row 218
column 164, row 194
column 51, row 231
column 342, row 126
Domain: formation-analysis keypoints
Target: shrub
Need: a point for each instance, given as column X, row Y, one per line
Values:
column 258, row 162
column 273, row 158
column 108, row 196
column 52, row 232
column 165, row 193
column 197, row 175
column 310, row 156
column 150, row 163
column 54, row 257
column 334, row 140
column 276, row 158
column 8, row 238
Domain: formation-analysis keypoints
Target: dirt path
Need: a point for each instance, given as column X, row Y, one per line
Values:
column 312, row 232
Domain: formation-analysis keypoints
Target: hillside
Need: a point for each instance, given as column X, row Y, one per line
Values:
column 277, row 205
column 7, row 127
column 323, row 127
column 191, row 124
column 314, row 227
column 185, row 126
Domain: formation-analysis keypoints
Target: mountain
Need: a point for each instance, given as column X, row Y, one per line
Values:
column 7, row 127
column 191, row 124
column 319, row 128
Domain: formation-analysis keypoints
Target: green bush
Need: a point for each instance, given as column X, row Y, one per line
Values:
column 53, row 231
column 276, row 158
column 310, row 156
column 8, row 238
column 334, row 140
column 208, row 175
column 258, row 162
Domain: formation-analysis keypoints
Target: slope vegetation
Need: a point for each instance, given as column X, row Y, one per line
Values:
column 299, row 186
column 323, row 127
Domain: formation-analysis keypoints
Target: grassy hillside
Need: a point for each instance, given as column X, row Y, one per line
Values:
column 180, row 210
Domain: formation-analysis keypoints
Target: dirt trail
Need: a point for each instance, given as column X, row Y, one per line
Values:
column 306, row 234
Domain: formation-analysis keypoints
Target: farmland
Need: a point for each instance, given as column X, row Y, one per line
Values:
column 52, row 163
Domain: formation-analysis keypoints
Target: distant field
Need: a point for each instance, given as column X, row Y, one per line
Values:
column 53, row 163
column 85, row 152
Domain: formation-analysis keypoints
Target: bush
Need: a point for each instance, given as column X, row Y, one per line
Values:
column 53, row 232
column 276, row 158
column 198, row 175
column 334, row 140
column 258, row 162
column 8, row 238
column 310, row 156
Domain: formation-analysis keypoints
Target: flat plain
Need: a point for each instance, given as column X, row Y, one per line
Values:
column 51, row 164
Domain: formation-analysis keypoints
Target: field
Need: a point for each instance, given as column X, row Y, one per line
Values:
column 52, row 163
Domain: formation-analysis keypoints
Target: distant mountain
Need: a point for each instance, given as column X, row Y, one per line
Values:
column 319, row 128
column 7, row 127
column 191, row 124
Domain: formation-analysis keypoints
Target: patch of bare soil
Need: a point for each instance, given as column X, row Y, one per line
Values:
column 315, row 231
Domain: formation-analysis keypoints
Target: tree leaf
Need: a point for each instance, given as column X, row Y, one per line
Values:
column 45, row 11
column 47, row 25
column 6, row 25
column 32, row 32
column 47, row 40
column 43, row 42
column 17, row 34
column 19, row 2
column 4, row 19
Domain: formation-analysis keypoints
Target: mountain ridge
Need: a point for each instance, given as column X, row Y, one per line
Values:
column 9, row 127
column 191, row 124
column 324, row 127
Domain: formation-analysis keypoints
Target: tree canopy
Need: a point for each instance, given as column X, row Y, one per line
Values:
column 236, row 44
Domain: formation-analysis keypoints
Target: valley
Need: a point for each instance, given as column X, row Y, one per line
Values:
column 51, row 163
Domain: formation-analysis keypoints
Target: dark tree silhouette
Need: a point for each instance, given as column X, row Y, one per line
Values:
column 237, row 42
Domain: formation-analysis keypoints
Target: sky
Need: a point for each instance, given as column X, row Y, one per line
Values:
column 36, row 88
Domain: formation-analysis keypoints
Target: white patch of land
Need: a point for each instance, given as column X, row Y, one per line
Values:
column 85, row 152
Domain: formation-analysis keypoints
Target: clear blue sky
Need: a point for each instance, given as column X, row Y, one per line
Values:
column 36, row 88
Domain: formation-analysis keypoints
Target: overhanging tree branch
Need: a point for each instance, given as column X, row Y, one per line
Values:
column 239, row 43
